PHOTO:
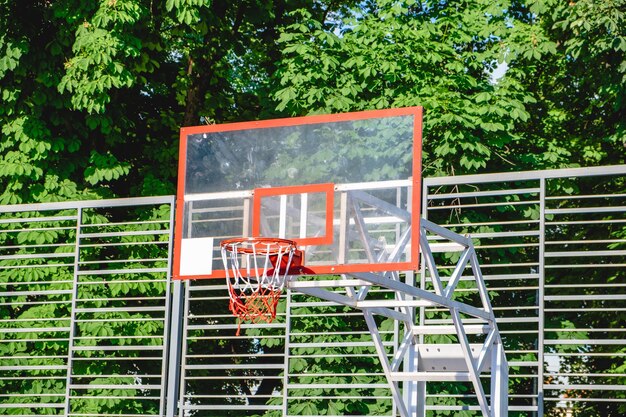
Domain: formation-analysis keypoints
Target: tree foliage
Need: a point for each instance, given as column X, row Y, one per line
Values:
column 396, row 54
column 579, row 86
column 94, row 93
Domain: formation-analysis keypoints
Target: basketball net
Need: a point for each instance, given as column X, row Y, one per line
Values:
column 256, row 271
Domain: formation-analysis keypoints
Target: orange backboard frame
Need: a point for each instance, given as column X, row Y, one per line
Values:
column 325, row 188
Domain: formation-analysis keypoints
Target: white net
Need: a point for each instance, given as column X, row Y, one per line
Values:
column 256, row 271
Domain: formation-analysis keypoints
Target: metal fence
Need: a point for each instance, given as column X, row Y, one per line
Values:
column 86, row 311
column 84, row 307
column 552, row 249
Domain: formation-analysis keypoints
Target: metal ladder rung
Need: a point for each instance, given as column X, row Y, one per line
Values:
column 469, row 329
column 430, row 376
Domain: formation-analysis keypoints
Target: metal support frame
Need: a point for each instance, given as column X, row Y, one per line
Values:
column 464, row 361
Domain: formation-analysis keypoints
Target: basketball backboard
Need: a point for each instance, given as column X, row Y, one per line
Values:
column 345, row 187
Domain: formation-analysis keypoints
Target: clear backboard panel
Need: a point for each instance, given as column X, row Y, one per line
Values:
column 345, row 187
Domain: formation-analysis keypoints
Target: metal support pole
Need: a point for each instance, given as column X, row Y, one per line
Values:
column 540, row 295
column 382, row 355
column 174, row 348
column 285, row 405
column 499, row 382
column 73, row 326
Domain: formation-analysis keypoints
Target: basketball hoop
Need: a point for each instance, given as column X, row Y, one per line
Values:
column 256, row 270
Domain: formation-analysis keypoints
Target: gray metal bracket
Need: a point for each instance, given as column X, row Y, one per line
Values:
column 463, row 361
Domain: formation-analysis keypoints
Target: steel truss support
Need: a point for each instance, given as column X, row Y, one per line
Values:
column 459, row 362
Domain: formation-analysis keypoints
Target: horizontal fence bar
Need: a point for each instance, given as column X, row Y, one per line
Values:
column 82, row 204
column 587, row 210
column 473, row 194
column 526, row 175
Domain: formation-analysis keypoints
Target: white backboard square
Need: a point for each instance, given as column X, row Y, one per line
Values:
column 197, row 256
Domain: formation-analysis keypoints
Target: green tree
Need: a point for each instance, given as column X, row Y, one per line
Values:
column 440, row 55
column 94, row 93
column 579, row 83
column 62, row 64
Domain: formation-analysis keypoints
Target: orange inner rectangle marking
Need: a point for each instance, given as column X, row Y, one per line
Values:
column 328, row 189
